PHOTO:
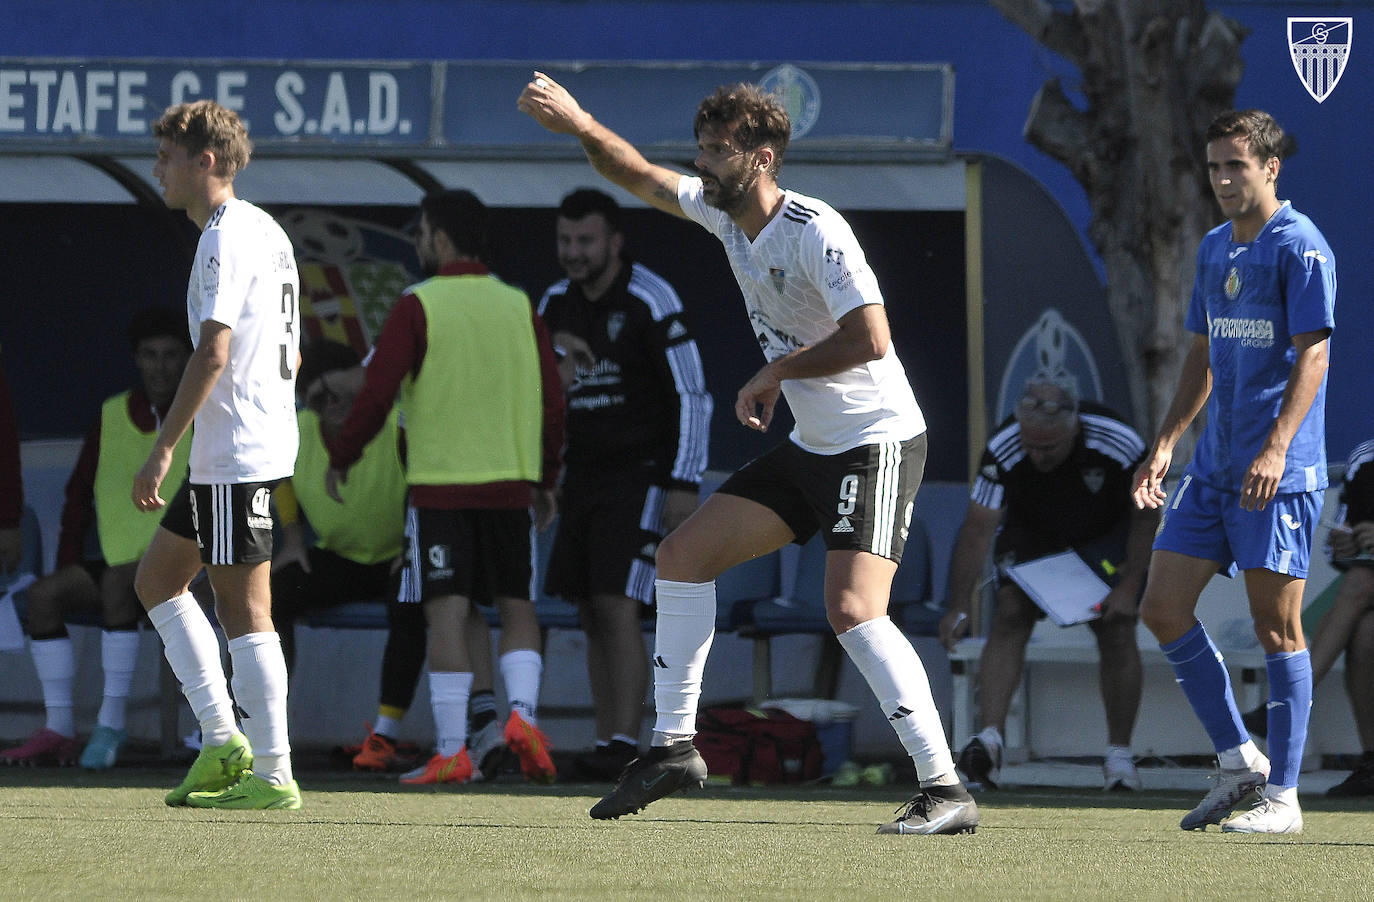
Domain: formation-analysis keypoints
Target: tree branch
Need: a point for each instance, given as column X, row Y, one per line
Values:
column 1215, row 65
column 1061, row 130
column 1061, row 32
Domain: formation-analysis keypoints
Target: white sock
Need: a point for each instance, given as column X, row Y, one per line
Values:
column 55, row 661
column 1119, row 752
column 686, row 626
column 448, row 698
column 192, row 650
column 118, row 654
column 991, row 736
column 260, row 692
column 387, row 726
column 1284, row 795
column 1246, row 755
column 894, row 672
column 521, row 670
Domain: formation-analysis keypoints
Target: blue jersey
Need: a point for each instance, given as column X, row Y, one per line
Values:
column 1250, row 300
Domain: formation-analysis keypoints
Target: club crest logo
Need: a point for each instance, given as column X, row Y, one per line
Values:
column 779, row 277
column 800, row 95
column 614, row 324
column 1232, row 286
column 1320, row 49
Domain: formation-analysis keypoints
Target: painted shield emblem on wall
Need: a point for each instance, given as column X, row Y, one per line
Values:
column 1051, row 348
column 1320, row 49
column 800, row 95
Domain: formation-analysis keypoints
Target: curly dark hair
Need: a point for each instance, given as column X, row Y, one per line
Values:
column 751, row 116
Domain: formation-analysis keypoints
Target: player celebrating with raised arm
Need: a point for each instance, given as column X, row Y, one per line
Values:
column 239, row 388
column 851, row 466
column 1262, row 312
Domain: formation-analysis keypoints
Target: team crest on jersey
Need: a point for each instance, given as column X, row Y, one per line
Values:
column 614, row 324
column 1094, row 478
column 779, row 277
column 1232, row 285
column 1319, row 49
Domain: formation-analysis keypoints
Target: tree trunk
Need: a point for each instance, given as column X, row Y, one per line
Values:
column 1154, row 73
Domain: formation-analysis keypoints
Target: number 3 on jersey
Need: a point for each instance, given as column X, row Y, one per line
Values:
column 288, row 311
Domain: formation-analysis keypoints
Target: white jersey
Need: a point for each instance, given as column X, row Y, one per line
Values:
column 803, row 273
column 244, row 277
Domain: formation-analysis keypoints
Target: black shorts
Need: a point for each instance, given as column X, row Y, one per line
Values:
column 231, row 523
column 332, row 580
column 481, row 555
column 609, row 527
column 861, row 499
column 1104, row 555
column 95, row 569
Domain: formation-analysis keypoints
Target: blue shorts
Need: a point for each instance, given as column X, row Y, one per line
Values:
column 1208, row 523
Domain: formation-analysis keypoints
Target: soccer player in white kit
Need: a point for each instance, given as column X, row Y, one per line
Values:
column 850, row 468
column 239, row 388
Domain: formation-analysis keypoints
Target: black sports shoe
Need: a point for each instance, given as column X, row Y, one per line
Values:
column 650, row 777
column 937, row 809
column 1359, row 783
column 606, row 762
column 1257, row 721
column 979, row 764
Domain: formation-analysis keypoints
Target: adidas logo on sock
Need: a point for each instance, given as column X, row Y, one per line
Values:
column 843, row 526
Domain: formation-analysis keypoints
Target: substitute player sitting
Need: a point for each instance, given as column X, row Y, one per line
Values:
column 98, row 494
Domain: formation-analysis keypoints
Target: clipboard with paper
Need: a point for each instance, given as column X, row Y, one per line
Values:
column 1065, row 588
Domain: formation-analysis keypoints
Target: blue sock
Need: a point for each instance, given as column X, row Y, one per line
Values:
column 1290, row 704
column 1203, row 678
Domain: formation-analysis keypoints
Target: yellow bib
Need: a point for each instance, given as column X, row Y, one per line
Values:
column 124, row 530
column 475, row 413
column 368, row 527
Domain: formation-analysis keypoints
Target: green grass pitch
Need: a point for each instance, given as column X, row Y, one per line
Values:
column 64, row 835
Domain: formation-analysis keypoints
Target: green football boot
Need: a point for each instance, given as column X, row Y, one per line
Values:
column 216, row 767
column 249, row 793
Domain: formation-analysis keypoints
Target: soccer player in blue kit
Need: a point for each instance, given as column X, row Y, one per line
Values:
column 1262, row 312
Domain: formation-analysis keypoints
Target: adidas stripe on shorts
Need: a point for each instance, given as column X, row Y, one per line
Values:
column 231, row 523
column 860, row 499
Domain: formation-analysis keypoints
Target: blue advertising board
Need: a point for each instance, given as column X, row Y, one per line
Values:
column 48, row 103
column 53, row 105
